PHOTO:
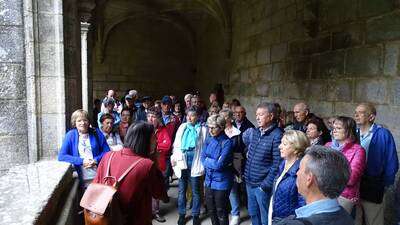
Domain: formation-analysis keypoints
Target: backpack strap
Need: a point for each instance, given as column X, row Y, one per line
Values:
column 108, row 176
column 109, row 164
column 128, row 170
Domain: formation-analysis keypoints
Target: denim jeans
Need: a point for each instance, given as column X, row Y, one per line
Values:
column 195, row 185
column 234, row 199
column 258, row 203
column 217, row 201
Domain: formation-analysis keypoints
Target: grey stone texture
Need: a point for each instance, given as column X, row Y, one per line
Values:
column 333, row 55
column 10, row 13
column 12, row 44
column 13, row 120
column 30, row 193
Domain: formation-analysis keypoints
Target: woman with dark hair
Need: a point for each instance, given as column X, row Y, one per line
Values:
column 178, row 111
column 345, row 139
column 112, row 137
column 144, row 182
column 317, row 132
column 164, row 141
column 83, row 147
column 126, row 120
column 185, row 161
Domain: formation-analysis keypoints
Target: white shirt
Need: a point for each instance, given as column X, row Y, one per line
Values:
column 113, row 140
column 84, row 147
column 231, row 132
column 85, row 152
column 271, row 202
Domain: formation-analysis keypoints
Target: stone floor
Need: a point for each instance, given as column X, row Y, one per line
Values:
column 170, row 211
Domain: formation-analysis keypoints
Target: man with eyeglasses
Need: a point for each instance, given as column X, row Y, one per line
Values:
column 241, row 121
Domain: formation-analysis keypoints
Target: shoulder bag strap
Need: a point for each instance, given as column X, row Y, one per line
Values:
column 109, row 164
column 128, row 170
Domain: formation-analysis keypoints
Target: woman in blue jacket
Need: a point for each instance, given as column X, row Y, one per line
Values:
column 83, row 147
column 217, row 158
column 285, row 197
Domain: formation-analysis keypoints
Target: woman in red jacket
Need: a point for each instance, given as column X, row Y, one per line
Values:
column 345, row 139
column 144, row 182
column 163, row 139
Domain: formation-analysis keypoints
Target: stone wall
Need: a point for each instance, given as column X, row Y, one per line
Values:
column 212, row 57
column 13, row 119
column 150, row 55
column 331, row 54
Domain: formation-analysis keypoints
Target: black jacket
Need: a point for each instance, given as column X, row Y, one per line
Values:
column 246, row 124
column 340, row 217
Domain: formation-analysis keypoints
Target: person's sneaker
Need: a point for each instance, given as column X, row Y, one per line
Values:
column 159, row 218
column 196, row 220
column 181, row 220
column 235, row 220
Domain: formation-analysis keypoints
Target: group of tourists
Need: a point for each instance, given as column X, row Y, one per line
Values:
column 292, row 168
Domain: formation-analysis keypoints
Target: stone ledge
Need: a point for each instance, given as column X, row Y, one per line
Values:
column 32, row 193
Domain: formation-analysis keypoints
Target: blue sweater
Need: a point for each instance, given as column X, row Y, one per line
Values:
column 382, row 156
column 69, row 150
column 286, row 198
column 217, row 158
column 263, row 156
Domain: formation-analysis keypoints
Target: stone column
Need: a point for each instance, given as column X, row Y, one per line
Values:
column 86, row 8
column 84, row 60
column 45, row 80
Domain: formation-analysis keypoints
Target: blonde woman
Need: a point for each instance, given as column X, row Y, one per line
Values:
column 238, row 161
column 285, row 198
column 83, row 147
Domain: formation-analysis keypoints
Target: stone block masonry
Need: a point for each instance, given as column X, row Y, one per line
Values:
column 13, row 119
column 331, row 54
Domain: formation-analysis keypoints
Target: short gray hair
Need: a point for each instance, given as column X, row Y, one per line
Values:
column 330, row 168
column 227, row 112
column 216, row 120
column 271, row 109
column 188, row 96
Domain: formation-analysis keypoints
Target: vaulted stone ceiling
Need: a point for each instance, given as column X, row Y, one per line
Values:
column 186, row 15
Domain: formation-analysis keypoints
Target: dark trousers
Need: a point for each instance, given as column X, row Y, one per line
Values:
column 217, row 205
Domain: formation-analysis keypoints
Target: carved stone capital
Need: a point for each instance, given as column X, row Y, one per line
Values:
column 86, row 8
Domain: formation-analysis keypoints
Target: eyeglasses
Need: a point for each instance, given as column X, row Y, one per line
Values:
column 213, row 128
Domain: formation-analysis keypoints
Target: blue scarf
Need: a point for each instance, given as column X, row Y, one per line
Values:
column 189, row 137
column 335, row 145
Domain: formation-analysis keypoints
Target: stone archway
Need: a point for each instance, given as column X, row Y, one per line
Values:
column 204, row 26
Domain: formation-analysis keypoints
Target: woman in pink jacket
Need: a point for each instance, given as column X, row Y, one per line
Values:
column 345, row 139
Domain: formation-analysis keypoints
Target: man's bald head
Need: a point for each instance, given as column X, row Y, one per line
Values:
column 110, row 93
